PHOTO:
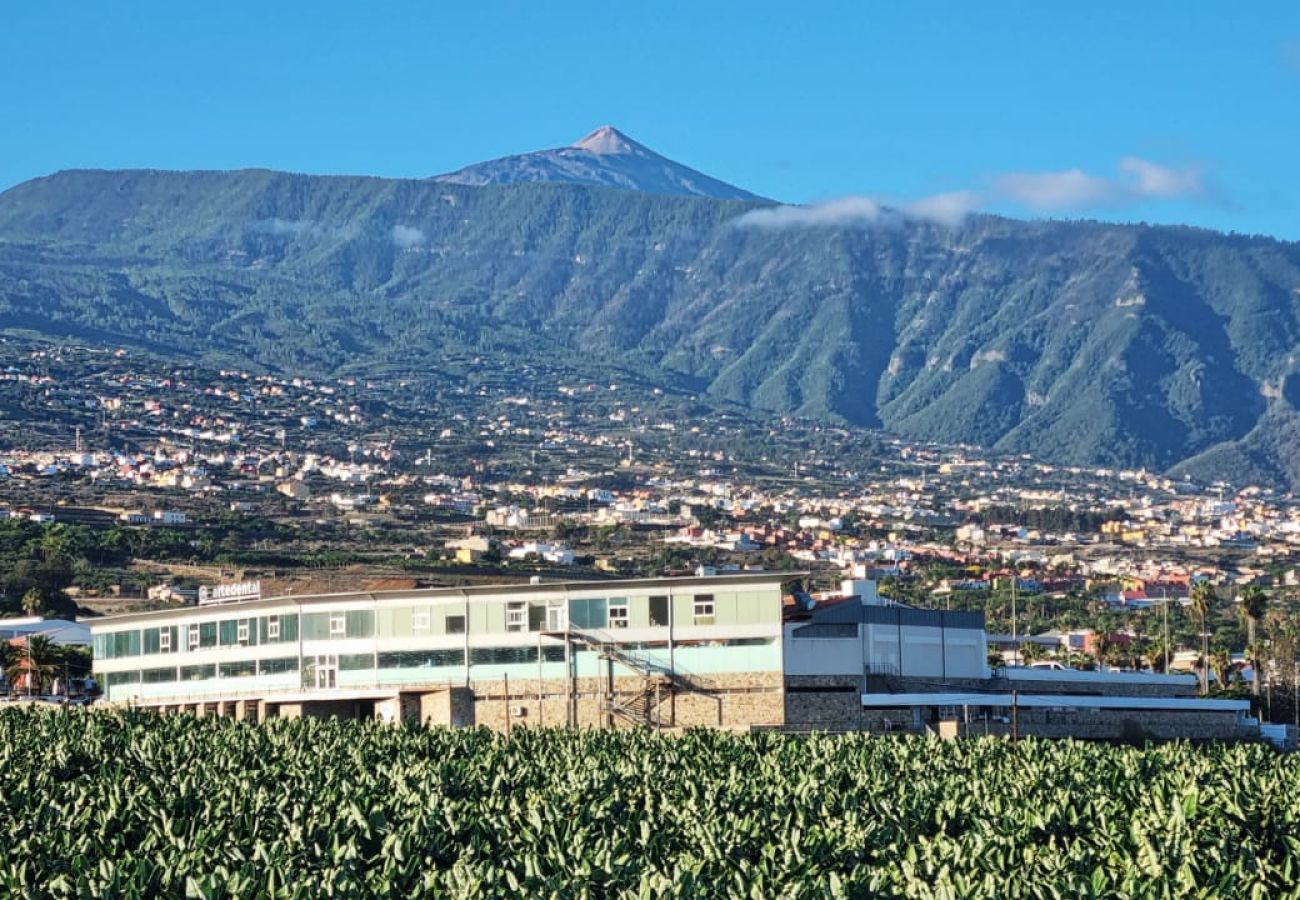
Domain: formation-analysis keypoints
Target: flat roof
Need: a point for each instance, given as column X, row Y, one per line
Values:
column 1057, row 701
column 478, row 590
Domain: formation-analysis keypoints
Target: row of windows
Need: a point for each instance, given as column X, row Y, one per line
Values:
column 238, row 669
column 247, row 632
column 521, row 616
column 403, row 659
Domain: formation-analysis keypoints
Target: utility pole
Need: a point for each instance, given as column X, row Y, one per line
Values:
column 1015, row 641
column 1164, row 602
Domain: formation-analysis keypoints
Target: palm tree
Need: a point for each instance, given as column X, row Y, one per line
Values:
column 1221, row 661
column 1254, row 604
column 1202, row 601
column 39, row 660
column 8, row 661
column 1154, row 654
column 33, row 602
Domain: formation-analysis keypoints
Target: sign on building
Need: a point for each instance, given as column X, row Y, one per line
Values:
column 230, row 593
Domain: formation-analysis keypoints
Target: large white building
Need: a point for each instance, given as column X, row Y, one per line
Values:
column 733, row 651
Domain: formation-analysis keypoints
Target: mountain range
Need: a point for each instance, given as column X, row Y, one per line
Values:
column 1081, row 342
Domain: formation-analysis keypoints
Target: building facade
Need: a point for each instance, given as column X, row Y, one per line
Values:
column 729, row 651
column 669, row 652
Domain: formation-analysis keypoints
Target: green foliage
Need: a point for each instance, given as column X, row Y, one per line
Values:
column 122, row 804
column 1078, row 341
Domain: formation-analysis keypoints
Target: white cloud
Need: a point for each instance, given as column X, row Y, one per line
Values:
column 1070, row 189
column 944, row 209
column 1148, row 179
column 1136, row 180
column 407, row 236
column 842, row 211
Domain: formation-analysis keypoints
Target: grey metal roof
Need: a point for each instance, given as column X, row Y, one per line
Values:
column 544, row 587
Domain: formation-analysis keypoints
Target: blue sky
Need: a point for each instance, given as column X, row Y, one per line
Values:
column 1167, row 112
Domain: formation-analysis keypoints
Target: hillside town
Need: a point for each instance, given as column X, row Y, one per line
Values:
column 194, row 477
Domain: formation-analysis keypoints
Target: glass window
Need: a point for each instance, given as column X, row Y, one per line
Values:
column 553, row 654
column 158, row 676
column 228, row 632
column 352, row 662
column 198, row 673
column 240, row 669
column 207, row 634
column 242, row 635
column 455, row 624
column 422, row 659
column 116, row 678
column 618, row 612
column 589, row 612
column 501, row 656
column 193, row 641
column 516, row 616
column 704, row 609
column 338, row 625
column 123, row 643
column 165, row 637
column 360, row 623
column 152, row 640
column 272, row 628
column 277, row 666
column 659, row 612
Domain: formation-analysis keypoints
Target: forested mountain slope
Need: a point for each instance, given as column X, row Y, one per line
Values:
column 1078, row 341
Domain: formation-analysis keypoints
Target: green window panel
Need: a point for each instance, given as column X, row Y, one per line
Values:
column 124, row 643
column 158, row 676
column 226, row 631
column 502, row 656
column 117, row 678
column 315, row 626
column 589, row 612
column 360, row 623
column 352, row 662
column 150, row 640
column 238, row 669
column 277, row 666
column 421, row 659
column 207, row 634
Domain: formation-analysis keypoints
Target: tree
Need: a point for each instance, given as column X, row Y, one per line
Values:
column 33, row 602
column 1202, row 601
column 1221, row 663
column 39, row 660
column 1254, row 604
column 8, row 661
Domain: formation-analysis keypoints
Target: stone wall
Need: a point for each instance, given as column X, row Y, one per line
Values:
column 733, row 701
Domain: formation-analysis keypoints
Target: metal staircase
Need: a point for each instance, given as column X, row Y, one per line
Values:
column 639, row 707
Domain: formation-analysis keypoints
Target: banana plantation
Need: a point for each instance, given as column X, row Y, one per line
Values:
column 121, row 804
